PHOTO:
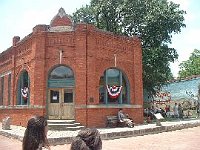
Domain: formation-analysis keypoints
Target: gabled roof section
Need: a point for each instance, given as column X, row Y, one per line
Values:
column 61, row 19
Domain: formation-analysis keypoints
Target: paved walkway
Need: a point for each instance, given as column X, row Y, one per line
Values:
column 63, row 137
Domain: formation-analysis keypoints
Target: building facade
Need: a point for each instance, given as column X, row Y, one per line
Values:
column 68, row 71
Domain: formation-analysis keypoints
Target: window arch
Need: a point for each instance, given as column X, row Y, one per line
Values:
column 61, row 72
column 115, row 80
column 23, row 92
column 61, row 77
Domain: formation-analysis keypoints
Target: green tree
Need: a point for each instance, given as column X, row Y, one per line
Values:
column 191, row 66
column 154, row 21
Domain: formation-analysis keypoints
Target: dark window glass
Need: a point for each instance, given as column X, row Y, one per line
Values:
column 68, row 96
column 61, row 72
column 2, row 91
column 54, row 96
column 113, row 77
column 124, row 91
column 101, row 89
column 9, row 89
column 23, row 96
column 25, row 79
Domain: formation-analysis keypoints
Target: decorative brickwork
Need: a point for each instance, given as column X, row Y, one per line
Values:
column 88, row 52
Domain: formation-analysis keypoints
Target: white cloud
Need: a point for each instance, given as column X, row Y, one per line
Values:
column 184, row 4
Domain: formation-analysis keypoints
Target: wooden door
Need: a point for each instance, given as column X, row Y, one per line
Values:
column 61, row 103
column 67, row 104
column 54, row 99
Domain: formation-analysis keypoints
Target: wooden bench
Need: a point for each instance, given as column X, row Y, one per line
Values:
column 112, row 122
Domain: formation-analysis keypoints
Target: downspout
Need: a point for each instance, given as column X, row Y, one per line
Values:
column 86, row 46
column 14, row 89
column 45, row 101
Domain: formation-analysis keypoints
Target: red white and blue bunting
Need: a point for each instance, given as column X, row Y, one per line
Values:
column 114, row 91
column 24, row 92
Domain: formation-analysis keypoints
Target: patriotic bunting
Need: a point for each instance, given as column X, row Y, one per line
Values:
column 114, row 91
column 24, row 92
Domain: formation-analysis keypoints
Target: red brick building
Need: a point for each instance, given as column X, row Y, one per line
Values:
column 68, row 71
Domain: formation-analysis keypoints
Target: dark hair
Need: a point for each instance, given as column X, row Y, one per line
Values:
column 87, row 139
column 35, row 135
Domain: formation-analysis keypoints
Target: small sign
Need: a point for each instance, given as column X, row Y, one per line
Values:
column 55, row 98
column 158, row 116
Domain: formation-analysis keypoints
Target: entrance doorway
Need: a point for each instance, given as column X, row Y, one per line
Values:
column 61, row 103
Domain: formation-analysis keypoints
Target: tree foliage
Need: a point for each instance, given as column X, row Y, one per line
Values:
column 154, row 21
column 191, row 66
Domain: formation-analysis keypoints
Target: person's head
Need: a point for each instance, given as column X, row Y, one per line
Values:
column 87, row 139
column 121, row 110
column 35, row 133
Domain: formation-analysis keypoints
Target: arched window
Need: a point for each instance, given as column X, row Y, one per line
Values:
column 114, row 87
column 2, row 90
column 61, row 77
column 61, row 84
column 23, row 92
column 61, row 72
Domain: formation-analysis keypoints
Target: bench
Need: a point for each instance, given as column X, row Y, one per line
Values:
column 112, row 122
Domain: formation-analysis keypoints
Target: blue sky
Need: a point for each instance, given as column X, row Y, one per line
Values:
column 18, row 17
column 188, row 39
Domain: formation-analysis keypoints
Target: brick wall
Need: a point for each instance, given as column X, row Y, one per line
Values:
column 96, row 117
column 20, row 116
column 88, row 52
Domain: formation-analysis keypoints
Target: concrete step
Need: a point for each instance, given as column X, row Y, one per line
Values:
column 61, row 121
column 63, row 125
column 66, row 120
column 65, row 128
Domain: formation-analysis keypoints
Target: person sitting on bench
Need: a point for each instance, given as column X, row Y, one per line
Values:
column 123, row 118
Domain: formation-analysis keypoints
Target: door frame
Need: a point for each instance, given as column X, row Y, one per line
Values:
column 61, row 105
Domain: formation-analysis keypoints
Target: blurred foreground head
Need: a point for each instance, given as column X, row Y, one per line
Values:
column 35, row 135
column 87, row 139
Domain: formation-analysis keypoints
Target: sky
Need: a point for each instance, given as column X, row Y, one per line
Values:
column 18, row 17
column 187, row 40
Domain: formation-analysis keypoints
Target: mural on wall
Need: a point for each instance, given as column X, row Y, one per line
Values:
column 184, row 90
column 162, row 97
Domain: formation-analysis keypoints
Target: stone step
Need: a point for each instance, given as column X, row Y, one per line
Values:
column 65, row 124
column 62, row 125
column 62, row 122
column 65, row 128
